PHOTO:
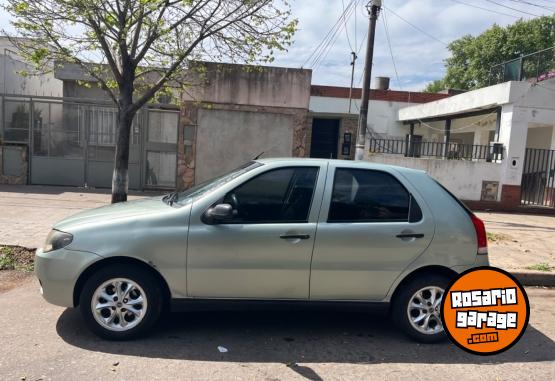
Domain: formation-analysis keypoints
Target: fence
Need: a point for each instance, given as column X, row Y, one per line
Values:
column 452, row 150
column 72, row 141
column 538, row 178
column 539, row 66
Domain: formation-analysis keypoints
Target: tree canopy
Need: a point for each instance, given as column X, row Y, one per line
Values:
column 472, row 57
column 148, row 42
column 135, row 48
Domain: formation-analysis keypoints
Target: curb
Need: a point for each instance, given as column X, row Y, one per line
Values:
column 532, row 278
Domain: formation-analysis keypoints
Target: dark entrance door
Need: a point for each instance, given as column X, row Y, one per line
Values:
column 325, row 135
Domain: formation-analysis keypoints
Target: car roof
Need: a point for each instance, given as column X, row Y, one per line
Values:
column 362, row 164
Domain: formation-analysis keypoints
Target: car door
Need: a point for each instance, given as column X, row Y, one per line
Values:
column 372, row 226
column 264, row 250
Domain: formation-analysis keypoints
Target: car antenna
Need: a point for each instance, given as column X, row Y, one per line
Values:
column 258, row 156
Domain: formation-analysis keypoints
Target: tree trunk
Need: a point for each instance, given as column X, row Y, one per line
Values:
column 120, row 178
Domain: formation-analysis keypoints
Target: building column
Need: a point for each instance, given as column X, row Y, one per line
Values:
column 513, row 131
column 447, row 137
column 410, row 139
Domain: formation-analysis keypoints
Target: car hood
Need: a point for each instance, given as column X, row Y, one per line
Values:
column 113, row 212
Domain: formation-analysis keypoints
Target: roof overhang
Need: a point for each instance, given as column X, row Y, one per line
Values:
column 472, row 103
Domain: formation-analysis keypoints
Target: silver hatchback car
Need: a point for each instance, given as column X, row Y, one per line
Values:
column 278, row 230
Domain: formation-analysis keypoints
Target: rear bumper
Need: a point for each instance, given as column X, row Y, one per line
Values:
column 58, row 272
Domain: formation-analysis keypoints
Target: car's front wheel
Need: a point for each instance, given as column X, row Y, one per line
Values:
column 417, row 308
column 121, row 302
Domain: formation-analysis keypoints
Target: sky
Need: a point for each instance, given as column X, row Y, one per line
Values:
column 418, row 50
column 418, row 56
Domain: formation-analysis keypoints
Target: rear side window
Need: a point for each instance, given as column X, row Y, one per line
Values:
column 455, row 198
column 361, row 195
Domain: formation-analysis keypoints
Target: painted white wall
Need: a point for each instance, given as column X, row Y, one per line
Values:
column 525, row 107
column 484, row 98
column 513, row 131
column 382, row 115
column 463, row 178
column 12, row 82
column 539, row 137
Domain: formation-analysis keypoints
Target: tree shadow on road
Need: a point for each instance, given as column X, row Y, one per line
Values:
column 291, row 337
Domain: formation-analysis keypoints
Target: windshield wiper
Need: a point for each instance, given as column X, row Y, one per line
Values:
column 170, row 198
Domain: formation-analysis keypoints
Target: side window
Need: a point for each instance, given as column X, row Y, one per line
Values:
column 361, row 195
column 277, row 196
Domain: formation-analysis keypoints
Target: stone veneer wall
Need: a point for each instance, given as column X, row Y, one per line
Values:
column 21, row 178
column 186, row 148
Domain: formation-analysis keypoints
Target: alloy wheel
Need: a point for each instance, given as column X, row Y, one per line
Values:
column 424, row 310
column 119, row 304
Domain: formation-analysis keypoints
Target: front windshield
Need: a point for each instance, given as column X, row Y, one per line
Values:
column 217, row 182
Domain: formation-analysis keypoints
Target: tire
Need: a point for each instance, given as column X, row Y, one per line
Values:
column 139, row 302
column 426, row 285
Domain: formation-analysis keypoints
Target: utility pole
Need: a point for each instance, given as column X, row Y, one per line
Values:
column 374, row 7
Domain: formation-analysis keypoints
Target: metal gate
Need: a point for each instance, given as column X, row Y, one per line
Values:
column 73, row 143
column 538, row 178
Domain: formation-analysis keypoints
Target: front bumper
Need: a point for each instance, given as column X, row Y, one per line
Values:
column 58, row 272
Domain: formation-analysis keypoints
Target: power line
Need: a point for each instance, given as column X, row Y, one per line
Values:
column 511, row 8
column 485, row 9
column 345, row 24
column 545, row 7
column 329, row 45
column 327, row 37
column 384, row 19
column 417, row 28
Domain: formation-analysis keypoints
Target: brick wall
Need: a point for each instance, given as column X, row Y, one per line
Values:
column 509, row 203
column 380, row 95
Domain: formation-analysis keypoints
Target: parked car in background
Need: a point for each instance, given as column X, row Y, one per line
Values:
column 270, row 230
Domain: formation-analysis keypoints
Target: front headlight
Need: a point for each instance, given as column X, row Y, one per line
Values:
column 57, row 240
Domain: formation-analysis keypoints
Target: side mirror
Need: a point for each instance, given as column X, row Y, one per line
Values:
column 218, row 213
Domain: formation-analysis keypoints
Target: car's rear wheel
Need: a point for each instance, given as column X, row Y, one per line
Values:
column 121, row 302
column 417, row 308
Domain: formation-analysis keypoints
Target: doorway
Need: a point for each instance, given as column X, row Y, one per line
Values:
column 325, row 138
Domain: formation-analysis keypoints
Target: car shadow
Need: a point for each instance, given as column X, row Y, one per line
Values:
column 292, row 337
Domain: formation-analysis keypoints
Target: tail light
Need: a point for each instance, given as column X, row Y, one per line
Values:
column 481, row 235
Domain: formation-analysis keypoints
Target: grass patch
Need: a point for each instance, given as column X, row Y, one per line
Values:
column 497, row 237
column 540, row 267
column 16, row 258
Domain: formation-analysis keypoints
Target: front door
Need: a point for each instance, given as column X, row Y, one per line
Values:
column 264, row 250
column 371, row 228
column 325, row 137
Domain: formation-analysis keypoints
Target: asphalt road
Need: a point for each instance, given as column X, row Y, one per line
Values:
column 40, row 341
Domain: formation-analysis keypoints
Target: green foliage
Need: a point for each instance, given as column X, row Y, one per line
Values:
column 16, row 258
column 540, row 267
column 497, row 237
column 138, row 47
column 435, row 86
column 7, row 260
column 472, row 57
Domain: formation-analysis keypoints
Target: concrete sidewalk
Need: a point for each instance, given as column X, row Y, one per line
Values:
column 27, row 213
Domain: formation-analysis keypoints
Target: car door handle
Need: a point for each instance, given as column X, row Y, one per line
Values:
column 294, row 236
column 410, row 235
